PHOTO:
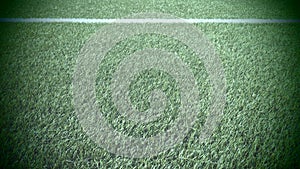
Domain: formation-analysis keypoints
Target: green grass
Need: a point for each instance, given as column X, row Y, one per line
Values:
column 260, row 126
column 115, row 8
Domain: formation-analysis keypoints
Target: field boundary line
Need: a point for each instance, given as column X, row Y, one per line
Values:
column 150, row 20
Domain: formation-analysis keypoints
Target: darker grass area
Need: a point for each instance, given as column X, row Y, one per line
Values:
column 288, row 9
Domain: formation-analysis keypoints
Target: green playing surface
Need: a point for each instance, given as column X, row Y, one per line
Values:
column 259, row 129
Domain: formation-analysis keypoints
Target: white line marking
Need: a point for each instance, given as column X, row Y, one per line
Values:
column 150, row 20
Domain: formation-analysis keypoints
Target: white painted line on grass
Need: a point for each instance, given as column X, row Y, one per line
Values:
column 150, row 20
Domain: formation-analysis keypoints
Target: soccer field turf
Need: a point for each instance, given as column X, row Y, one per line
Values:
column 260, row 123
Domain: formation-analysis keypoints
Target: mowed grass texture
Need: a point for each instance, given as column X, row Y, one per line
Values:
column 259, row 129
column 39, row 128
column 118, row 9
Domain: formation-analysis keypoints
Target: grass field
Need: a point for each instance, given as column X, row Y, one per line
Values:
column 260, row 126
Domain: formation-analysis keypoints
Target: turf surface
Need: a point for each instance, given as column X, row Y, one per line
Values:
column 114, row 8
column 260, row 126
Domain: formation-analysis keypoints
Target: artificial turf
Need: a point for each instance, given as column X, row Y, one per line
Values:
column 259, row 129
